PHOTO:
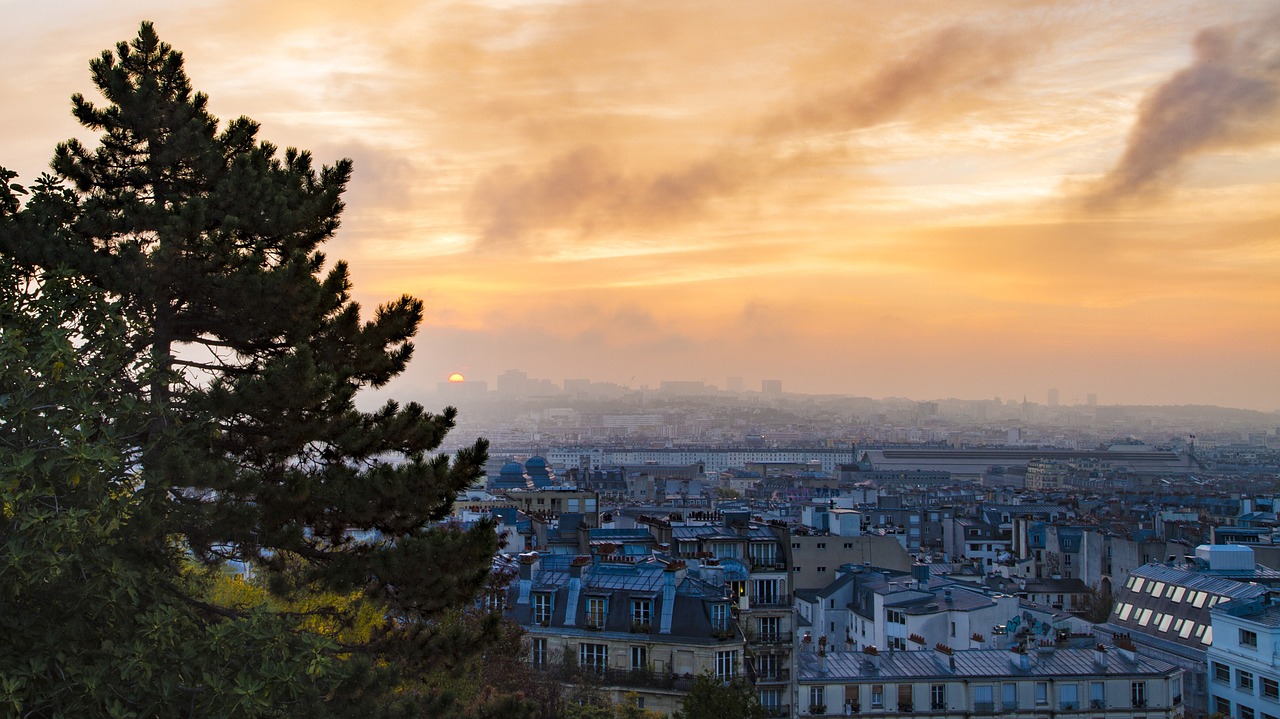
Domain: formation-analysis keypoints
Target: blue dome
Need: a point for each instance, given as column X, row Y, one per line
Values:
column 512, row 469
column 535, row 463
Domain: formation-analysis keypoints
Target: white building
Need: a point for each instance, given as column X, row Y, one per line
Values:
column 1244, row 670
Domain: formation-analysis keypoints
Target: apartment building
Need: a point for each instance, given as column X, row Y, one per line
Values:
column 945, row 682
column 1244, row 669
column 625, row 625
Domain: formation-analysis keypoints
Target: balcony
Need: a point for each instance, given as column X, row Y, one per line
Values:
column 1139, row 703
column 1097, row 704
column 1068, row 706
column 984, row 707
column 607, row 676
column 768, row 565
column 771, row 601
column 777, row 676
column 770, row 638
column 1009, row 706
column 906, row 706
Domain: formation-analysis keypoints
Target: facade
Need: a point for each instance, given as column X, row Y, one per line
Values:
column 942, row 682
column 1244, row 668
column 625, row 626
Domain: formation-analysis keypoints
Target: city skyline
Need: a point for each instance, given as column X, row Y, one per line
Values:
column 919, row 200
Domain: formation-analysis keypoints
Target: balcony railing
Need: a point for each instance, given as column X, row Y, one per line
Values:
column 774, row 677
column 984, row 707
column 905, row 706
column 771, row 600
column 608, row 676
column 1097, row 704
column 1009, row 706
column 770, row 638
column 1069, row 706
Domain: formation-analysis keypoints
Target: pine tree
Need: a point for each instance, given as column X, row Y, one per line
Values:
column 246, row 352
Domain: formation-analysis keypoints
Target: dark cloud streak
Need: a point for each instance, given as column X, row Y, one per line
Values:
column 1226, row 99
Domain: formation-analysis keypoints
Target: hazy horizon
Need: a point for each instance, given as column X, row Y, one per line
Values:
column 919, row 199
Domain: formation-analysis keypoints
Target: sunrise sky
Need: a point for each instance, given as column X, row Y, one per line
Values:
column 922, row 199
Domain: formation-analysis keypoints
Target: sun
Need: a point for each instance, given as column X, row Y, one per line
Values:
column 455, row 377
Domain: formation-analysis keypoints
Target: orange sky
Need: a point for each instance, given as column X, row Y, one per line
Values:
column 921, row 199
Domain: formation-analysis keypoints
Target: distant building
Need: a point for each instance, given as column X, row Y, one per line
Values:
column 771, row 386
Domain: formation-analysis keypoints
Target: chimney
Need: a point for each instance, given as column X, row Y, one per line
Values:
column 1100, row 658
column 945, row 656
column 578, row 567
column 528, row 569
column 1019, row 658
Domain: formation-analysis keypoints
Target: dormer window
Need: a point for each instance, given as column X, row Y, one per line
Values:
column 542, row 608
column 597, row 608
column 719, row 616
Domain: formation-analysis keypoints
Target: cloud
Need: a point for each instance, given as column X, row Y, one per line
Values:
column 946, row 66
column 587, row 188
column 1227, row 98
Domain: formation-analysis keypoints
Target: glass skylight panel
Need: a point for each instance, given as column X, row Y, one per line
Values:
column 1123, row 610
column 1164, row 624
column 1187, row 628
column 1137, row 584
column 1200, row 631
column 1208, row 636
column 1156, row 589
column 1177, row 593
column 1199, row 600
column 1143, row 617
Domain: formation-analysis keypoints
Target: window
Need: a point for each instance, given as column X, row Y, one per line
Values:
column 877, row 696
column 1068, row 697
column 538, row 653
column 1221, row 673
column 765, row 591
column 898, row 644
column 1270, row 689
column 720, row 617
column 1244, row 680
column 639, row 658
column 596, row 612
column 1138, row 694
column 1248, row 639
column 641, row 611
column 937, row 697
column 542, row 608
column 1245, row 712
column 767, row 666
column 1175, row 688
column 822, row 545
column 1222, row 706
column 1009, row 697
column 984, row 698
column 771, row 698
column 895, row 616
column 1097, row 695
column 726, row 665
column 1042, row 693
column 822, row 569
column 770, row 629
column 593, row 656
column 817, row 698
column 953, row 629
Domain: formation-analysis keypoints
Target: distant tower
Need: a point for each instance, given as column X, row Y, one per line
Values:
column 771, row 386
column 1053, row 398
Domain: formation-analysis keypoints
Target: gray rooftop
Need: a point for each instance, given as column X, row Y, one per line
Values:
column 971, row 663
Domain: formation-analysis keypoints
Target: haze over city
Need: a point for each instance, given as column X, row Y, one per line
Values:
column 962, row 199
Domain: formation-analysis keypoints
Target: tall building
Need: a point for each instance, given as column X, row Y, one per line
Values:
column 771, row 386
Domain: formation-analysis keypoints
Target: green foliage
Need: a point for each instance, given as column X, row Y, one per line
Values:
column 1097, row 603
column 181, row 368
column 711, row 698
column 87, row 625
